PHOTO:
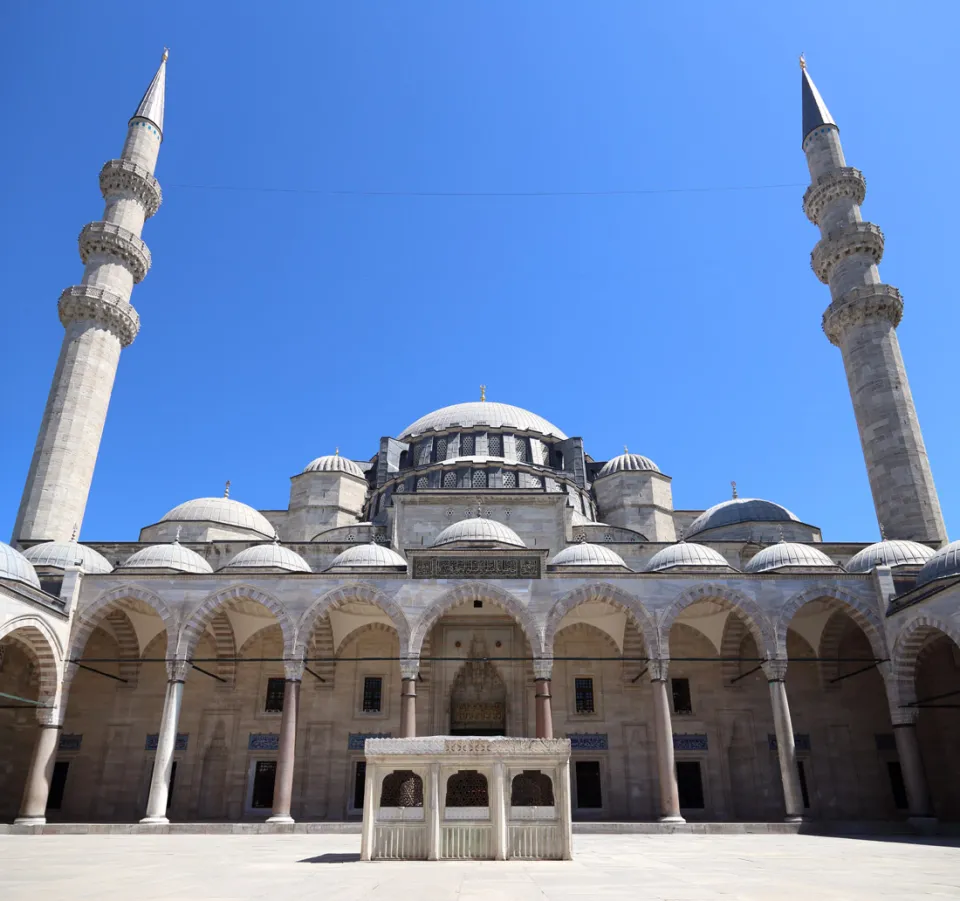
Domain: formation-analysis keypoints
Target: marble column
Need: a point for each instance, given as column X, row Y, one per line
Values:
column 663, row 728
column 283, row 787
column 433, row 812
column 543, row 671
column 33, row 807
column 498, row 811
column 776, row 673
column 369, row 811
column 166, row 744
column 911, row 765
column 561, row 798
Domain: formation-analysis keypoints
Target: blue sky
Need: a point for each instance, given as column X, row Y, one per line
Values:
column 278, row 324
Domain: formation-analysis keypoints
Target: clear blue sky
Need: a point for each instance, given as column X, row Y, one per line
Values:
column 279, row 324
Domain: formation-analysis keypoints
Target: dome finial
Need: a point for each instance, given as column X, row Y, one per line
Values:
column 883, row 532
column 625, row 449
column 483, row 393
column 226, row 489
column 782, row 539
column 733, row 485
column 681, row 539
column 176, row 539
column 73, row 534
column 336, row 451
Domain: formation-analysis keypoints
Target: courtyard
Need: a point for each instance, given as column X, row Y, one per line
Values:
column 639, row 867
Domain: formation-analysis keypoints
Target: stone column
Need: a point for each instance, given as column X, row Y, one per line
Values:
column 776, row 672
column 369, row 811
column 911, row 764
column 408, row 697
column 543, row 670
column 433, row 814
column 663, row 727
column 498, row 812
column 561, row 797
column 33, row 807
column 283, row 787
column 166, row 744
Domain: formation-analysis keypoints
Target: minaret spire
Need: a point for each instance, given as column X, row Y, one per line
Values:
column 99, row 321
column 861, row 320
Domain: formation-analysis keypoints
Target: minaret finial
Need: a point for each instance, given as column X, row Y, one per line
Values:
column 803, row 62
column 733, row 485
column 226, row 489
column 166, row 55
column 483, row 393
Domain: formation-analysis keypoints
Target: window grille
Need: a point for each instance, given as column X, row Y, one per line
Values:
column 682, row 702
column 372, row 694
column 401, row 487
column 509, row 478
column 450, row 480
column 583, row 690
column 531, row 788
column 423, row 453
column 402, row 788
column 467, row 445
column 479, row 478
column 521, row 445
column 495, row 445
column 422, row 483
column 468, row 788
column 441, row 449
column 275, row 692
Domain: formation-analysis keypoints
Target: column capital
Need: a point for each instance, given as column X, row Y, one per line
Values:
column 775, row 670
column 904, row 716
column 293, row 670
column 409, row 667
column 659, row 669
column 542, row 668
column 177, row 670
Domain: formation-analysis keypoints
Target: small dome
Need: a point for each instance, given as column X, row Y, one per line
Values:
column 686, row 554
column 628, row 463
column 478, row 530
column 586, row 554
column 374, row 556
column 480, row 413
column 334, row 463
column 14, row 566
column 740, row 509
column 269, row 556
column 168, row 556
column 889, row 553
column 788, row 555
column 61, row 554
column 945, row 562
column 224, row 511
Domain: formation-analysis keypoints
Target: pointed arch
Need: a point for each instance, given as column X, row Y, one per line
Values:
column 474, row 591
column 859, row 610
column 89, row 617
column 197, row 622
column 735, row 633
column 41, row 644
column 913, row 636
column 637, row 614
column 733, row 600
column 344, row 594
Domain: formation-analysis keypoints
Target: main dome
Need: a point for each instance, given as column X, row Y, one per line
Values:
column 479, row 530
column 738, row 510
column 224, row 511
column 481, row 413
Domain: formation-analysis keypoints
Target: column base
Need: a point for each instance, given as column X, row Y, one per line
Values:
column 154, row 821
column 281, row 818
column 30, row 821
column 924, row 825
column 672, row 819
column 794, row 819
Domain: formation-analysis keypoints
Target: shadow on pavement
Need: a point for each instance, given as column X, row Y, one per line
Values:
column 332, row 858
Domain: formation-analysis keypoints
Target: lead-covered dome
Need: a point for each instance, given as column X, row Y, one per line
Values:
column 586, row 554
column 16, row 567
column 945, row 562
column 269, row 556
column 368, row 556
column 740, row 510
column 687, row 555
column 61, row 554
column 475, row 414
column 478, row 531
column 173, row 557
column 223, row 511
column 789, row 555
column 628, row 463
column 334, row 463
column 889, row 553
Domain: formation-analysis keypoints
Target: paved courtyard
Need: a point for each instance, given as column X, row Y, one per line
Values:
column 639, row 867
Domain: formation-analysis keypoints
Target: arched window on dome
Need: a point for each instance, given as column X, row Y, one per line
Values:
column 495, row 445
column 509, row 478
column 450, row 479
column 479, row 478
column 441, row 450
column 467, row 445
column 523, row 454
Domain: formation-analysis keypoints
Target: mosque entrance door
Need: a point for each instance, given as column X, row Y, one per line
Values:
column 478, row 698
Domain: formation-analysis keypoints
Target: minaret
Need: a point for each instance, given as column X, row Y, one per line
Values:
column 861, row 320
column 99, row 321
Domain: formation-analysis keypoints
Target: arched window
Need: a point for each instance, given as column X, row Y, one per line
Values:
column 468, row 788
column 495, row 445
column 521, row 445
column 402, row 788
column 479, row 478
column 509, row 478
column 441, row 450
column 450, row 479
column 531, row 788
column 467, row 445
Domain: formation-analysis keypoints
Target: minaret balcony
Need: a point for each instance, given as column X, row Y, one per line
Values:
column 855, row 238
column 128, row 179
column 839, row 183
column 860, row 306
column 116, row 241
column 85, row 303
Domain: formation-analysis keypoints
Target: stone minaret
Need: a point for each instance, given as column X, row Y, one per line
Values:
column 98, row 320
column 861, row 320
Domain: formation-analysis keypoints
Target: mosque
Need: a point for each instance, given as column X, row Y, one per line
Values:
column 480, row 574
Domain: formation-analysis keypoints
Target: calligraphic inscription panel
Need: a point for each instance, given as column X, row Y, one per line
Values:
column 476, row 567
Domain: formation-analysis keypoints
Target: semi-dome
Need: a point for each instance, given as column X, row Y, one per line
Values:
column 372, row 556
column 478, row 530
column 789, row 555
column 945, row 562
column 480, row 413
column 738, row 510
column 16, row 567
column 174, row 556
column 61, row 554
column 334, row 463
column 225, row 512
column 627, row 462
column 684, row 555
column 889, row 553
column 586, row 554
column 269, row 556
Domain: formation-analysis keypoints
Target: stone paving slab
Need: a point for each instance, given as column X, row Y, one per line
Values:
column 607, row 867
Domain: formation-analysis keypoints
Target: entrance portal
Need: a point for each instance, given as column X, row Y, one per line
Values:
column 478, row 698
